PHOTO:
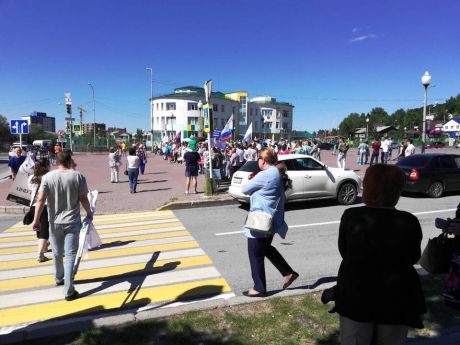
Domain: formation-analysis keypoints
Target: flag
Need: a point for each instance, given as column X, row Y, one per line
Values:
column 215, row 133
column 248, row 135
column 207, row 89
column 227, row 132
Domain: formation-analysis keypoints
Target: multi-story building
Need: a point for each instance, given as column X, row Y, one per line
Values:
column 88, row 128
column 179, row 112
column 48, row 122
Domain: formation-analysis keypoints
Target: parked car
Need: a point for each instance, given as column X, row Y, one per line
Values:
column 435, row 145
column 432, row 173
column 311, row 179
column 395, row 146
column 326, row 146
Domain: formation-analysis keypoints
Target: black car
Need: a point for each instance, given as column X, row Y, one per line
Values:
column 326, row 146
column 432, row 174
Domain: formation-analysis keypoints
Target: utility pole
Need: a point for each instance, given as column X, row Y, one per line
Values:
column 82, row 110
column 68, row 104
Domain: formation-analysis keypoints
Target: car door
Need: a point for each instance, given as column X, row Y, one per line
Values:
column 310, row 176
column 296, row 174
column 447, row 172
column 456, row 182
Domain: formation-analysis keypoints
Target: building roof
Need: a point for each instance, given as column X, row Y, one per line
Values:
column 360, row 131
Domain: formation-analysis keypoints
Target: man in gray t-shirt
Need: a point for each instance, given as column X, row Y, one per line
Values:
column 64, row 189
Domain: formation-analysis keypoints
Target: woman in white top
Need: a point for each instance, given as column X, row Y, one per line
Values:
column 114, row 163
column 133, row 169
column 41, row 167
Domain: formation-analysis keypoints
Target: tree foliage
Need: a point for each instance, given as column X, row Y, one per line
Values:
column 139, row 136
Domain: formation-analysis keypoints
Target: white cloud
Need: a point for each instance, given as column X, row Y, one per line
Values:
column 355, row 30
column 362, row 38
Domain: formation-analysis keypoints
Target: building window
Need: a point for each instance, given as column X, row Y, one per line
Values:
column 277, row 125
column 192, row 106
column 446, row 127
column 257, row 111
column 267, row 113
column 222, row 122
column 285, row 125
column 161, row 106
column 222, row 107
column 158, row 105
column 256, row 125
column 233, row 110
column 192, row 120
column 171, row 106
column 215, row 107
column 285, row 113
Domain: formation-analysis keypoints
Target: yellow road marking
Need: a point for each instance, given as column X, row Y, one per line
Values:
column 8, row 265
column 45, row 311
column 102, row 273
column 18, row 250
column 21, row 238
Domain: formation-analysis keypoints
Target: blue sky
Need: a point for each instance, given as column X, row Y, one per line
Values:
column 328, row 58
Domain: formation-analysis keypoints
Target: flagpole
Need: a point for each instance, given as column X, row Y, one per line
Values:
column 207, row 91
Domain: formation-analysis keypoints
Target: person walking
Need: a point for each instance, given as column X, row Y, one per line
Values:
column 133, row 169
column 41, row 167
column 385, row 147
column 192, row 161
column 64, row 189
column 267, row 194
column 114, row 164
column 342, row 156
column 142, row 158
column 15, row 162
column 378, row 293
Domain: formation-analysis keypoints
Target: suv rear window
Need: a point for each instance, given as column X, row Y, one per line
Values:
column 250, row 166
column 417, row 161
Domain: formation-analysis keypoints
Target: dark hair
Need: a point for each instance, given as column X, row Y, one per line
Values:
column 64, row 158
column 382, row 185
column 132, row 151
column 270, row 157
column 41, row 167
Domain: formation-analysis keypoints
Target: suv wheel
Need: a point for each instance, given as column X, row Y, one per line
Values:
column 435, row 190
column 347, row 193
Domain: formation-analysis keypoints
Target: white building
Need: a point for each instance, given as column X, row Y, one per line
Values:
column 178, row 112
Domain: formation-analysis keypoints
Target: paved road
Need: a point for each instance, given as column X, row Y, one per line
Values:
column 311, row 244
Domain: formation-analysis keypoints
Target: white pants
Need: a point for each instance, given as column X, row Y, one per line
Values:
column 114, row 174
column 363, row 333
column 341, row 158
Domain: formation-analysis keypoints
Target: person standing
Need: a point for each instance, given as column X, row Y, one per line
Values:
column 15, row 162
column 375, row 152
column 142, row 158
column 378, row 294
column 133, row 169
column 41, row 167
column 267, row 194
column 410, row 149
column 385, row 146
column 64, row 189
column 114, row 164
column 250, row 154
column 342, row 156
column 363, row 148
column 192, row 161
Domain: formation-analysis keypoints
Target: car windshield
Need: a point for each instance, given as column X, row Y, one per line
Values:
column 250, row 166
column 417, row 161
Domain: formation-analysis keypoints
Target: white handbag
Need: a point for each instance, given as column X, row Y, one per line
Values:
column 260, row 221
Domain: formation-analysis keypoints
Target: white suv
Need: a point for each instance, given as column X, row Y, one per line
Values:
column 311, row 179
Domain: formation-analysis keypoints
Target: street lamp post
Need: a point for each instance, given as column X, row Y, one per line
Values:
column 367, row 128
column 200, row 121
column 426, row 79
column 94, row 117
column 151, row 99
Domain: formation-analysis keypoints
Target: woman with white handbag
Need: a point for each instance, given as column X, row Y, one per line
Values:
column 265, row 219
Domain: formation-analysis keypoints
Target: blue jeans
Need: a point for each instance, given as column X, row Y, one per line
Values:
column 133, row 173
column 64, row 241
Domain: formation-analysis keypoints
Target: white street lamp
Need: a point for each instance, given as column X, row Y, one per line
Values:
column 426, row 80
column 94, row 116
column 367, row 128
column 151, row 99
column 201, row 122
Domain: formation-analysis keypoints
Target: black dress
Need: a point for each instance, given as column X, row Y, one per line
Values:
column 377, row 281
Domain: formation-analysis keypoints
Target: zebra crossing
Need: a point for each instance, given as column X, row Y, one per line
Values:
column 147, row 259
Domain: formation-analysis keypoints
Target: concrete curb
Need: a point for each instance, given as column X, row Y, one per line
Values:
column 77, row 324
column 14, row 209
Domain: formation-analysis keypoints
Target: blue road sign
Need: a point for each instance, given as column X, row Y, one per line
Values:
column 19, row 127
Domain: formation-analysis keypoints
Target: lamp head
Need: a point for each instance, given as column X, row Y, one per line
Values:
column 426, row 79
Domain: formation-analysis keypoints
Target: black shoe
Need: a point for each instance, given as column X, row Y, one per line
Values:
column 59, row 283
column 259, row 294
column 73, row 296
column 294, row 276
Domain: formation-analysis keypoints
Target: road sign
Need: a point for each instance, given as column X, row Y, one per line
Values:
column 61, row 140
column 19, row 126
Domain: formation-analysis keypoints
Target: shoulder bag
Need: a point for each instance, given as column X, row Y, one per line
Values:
column 29, row 216
column 260, row 221
column 126, row 170
column 437, row 255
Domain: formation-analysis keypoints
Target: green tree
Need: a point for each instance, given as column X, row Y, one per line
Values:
column 139, row 136
column 5, row 135
column 36, row 132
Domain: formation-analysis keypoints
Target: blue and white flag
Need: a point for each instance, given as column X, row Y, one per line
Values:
column 248, row 135
column 215, row 133
column 227, row 132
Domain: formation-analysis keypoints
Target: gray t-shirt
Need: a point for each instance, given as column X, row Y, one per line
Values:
column 63, row 189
